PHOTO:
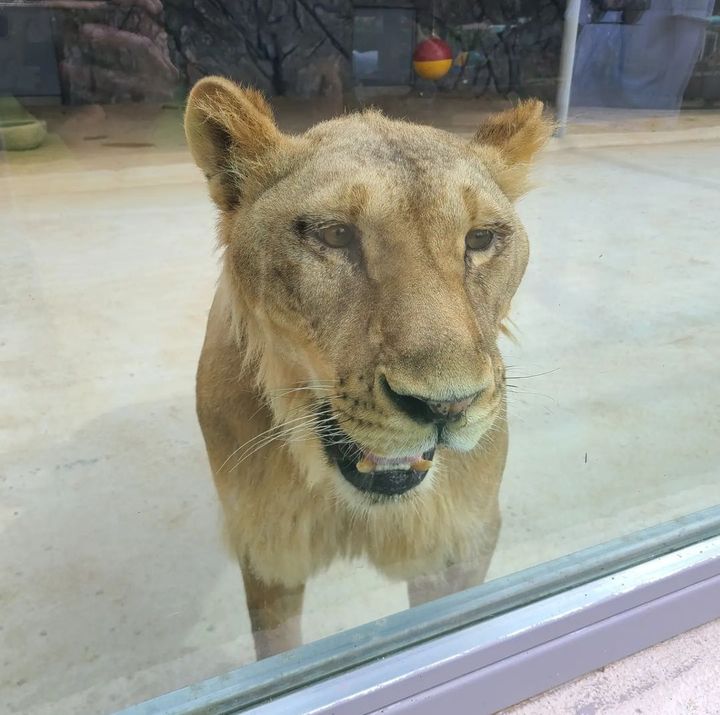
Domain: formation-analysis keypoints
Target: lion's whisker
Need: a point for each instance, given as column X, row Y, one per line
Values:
column 262, row 435
column 285, row 430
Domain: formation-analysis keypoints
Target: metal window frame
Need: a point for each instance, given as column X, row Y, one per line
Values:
column 496, row 644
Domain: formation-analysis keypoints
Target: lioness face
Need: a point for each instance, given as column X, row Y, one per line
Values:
column 373, row 262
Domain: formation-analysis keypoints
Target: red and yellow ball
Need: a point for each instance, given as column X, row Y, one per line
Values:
column 432, row 58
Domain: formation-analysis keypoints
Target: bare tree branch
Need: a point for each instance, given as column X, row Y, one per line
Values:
column 333, row 41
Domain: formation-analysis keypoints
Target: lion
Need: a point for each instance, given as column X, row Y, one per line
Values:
column 350, row 390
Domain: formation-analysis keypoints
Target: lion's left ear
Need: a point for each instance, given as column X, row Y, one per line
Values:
column 517, row 135
column 228, row 129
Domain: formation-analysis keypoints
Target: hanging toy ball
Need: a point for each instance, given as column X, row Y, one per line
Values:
column 432, row 58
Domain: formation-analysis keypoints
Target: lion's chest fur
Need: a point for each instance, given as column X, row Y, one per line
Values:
column 289, row 531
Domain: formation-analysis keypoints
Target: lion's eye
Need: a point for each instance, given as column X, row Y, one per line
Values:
column 339, row 235
column 479, row 239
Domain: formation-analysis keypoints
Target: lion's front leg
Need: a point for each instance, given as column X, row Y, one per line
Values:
column 275, row 612
column 457, row 576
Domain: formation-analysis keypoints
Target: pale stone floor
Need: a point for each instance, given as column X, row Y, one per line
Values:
column 678, row 677
column 114, row 586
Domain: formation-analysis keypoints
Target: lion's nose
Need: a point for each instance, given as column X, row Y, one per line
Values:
column 451, row 410
column 424, row 409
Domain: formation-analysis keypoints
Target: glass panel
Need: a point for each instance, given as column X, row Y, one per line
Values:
column 351, row 395
column 258, row 682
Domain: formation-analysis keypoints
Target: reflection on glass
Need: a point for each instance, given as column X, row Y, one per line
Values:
column 382, row 45
column 365, row 269
column 641, row 54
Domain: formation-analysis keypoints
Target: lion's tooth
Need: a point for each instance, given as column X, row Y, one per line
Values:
column 422, row 465
column 365, row 466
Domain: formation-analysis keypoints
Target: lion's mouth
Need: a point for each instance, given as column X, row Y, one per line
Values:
column 387, row 479
column 371, row 473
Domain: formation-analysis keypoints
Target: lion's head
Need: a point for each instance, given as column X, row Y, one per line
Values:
column 371, row 263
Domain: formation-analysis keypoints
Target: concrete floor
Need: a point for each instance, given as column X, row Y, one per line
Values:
column 114, row 584
column 678, row 677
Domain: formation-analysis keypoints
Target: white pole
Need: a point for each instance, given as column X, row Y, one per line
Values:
column 567, row 60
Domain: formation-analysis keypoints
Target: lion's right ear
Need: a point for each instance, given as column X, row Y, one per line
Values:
column 228, row 129
column 517, row 134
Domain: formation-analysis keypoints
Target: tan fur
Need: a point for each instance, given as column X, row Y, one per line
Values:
column 294, row 324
